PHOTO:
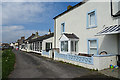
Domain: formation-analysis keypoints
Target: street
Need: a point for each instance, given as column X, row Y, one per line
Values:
column 29, row 65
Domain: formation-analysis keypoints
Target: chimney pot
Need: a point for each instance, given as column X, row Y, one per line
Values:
column 49, row 32
column 68, row 7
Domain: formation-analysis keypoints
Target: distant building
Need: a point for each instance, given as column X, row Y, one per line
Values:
column 5, row 45
column 21, row 42
column 12, row 45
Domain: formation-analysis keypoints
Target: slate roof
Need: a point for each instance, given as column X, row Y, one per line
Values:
column 110, row 30
column 118, row 13
column 77, row 5
column 71, row 36
column 41, row 38
column 29, row 38
column 4, row 44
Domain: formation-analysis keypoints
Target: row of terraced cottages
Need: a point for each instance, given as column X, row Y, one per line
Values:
column 87, row 34
column 37, row 44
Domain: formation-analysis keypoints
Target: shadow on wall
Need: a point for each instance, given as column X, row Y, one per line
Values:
column 109, row 44
column 119, row 21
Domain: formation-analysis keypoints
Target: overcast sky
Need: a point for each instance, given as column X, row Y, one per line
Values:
column 24, row 18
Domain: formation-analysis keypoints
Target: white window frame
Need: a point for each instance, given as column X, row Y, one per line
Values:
column 64, row 46
column 89, row 47
column 62, row 28
column 75, row 47
column 89, row 19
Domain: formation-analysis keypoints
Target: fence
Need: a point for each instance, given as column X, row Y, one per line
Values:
column 81, row 59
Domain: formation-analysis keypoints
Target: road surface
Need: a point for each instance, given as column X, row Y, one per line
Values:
column 29, row 65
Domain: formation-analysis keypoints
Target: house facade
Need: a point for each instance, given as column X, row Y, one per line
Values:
column 42, row 43
column 21, row 44
column 85, row 22
column 96, row 26
column 24, row 44
column 27, row 44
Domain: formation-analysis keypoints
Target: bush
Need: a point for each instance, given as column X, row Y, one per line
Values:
column 8, row 61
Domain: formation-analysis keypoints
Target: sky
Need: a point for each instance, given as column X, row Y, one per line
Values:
column 24, row 18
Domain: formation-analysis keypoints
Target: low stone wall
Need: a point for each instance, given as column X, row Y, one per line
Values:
column 99, row 62
column 46, row 54
column 103, row 62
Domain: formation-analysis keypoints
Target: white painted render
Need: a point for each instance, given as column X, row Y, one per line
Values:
column 99, row 63
column 116, row 6
column 76, row 22
column 13, row 45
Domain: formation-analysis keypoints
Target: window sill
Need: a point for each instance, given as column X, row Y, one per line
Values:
column 64, row 52
column 91, row 27
column 104, row 55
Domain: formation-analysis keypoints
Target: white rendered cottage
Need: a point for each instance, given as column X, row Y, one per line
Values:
column 97, row 27
column 42, row 43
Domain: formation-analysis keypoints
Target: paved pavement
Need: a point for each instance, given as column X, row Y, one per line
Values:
column 29, row 65
column 0, row 63
column 111, row 72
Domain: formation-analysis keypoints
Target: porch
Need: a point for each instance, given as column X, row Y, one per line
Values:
column 113, row 30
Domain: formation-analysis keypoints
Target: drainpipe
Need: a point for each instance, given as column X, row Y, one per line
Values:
column 112, row 11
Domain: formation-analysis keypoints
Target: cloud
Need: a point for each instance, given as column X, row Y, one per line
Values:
column 41, row 0
column 22, row 12
column 56, row 0
column 13, row 33
column 12, row 28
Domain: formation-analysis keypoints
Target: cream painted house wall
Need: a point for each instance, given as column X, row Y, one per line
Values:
column 76, row 22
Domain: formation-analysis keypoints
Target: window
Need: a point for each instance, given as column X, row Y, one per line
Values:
column 30, row 46
column 62, row 27
column 74, row 46
column 92, row 47
column 91, row 19
column 64, row 46
column 40, row 46
column 48, row 46
column 35, row 46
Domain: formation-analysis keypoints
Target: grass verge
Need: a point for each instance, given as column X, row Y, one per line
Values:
column 8, row 61
column 0, row 64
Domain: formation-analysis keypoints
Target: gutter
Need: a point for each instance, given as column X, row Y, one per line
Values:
column 112, row 11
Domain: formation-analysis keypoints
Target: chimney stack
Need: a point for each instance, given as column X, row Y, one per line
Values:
column 68, row 7
column 37, row 33
column 49, row 32
column 23, row 38
column 32, row 34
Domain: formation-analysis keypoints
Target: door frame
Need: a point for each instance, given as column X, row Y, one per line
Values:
column 118, row 62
